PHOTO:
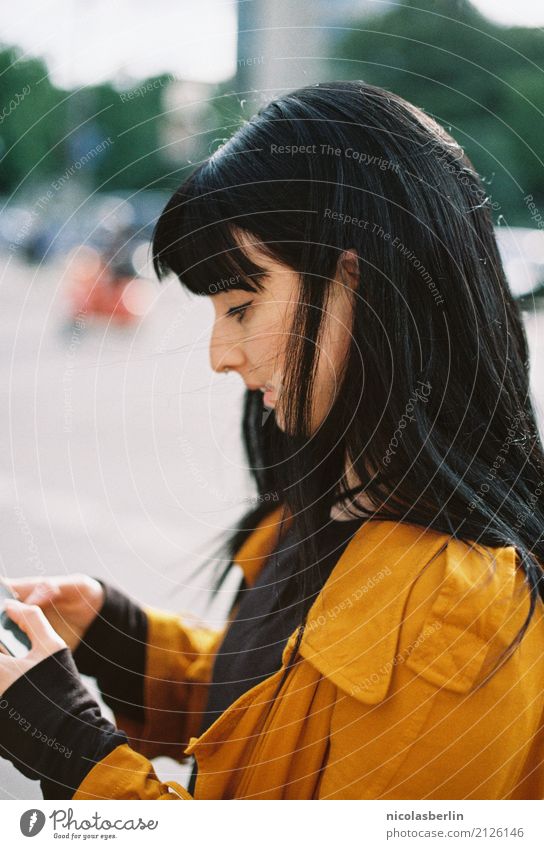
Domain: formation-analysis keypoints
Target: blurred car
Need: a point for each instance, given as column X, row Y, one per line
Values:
column 97, row 288
column 38, row 235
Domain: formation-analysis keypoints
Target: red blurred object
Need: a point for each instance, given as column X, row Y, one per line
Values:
column 94, row 289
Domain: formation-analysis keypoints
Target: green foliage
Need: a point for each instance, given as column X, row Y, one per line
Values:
column 45, row 131
column 482, row 81
column 31, row 113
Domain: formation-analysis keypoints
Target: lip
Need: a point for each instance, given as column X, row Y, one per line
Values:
column 268, row 393
column 263, row 387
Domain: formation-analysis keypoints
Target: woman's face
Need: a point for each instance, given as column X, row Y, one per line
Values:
column 252, row 341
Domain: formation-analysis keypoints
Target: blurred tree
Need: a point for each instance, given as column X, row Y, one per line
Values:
column 483, row 81
column 111, row 138
column 31, row 113
column 133, row 119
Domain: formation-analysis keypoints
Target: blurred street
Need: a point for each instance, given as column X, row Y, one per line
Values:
column 121, row 456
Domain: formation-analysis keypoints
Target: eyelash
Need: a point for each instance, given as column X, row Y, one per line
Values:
column 240, row 311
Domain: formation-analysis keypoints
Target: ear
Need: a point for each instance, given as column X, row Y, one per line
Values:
column 348, row 268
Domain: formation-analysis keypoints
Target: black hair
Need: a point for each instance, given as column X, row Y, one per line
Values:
column 433, row 410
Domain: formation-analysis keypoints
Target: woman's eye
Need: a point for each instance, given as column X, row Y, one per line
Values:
column 240, row 311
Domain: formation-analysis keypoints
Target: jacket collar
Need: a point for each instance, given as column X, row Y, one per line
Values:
column 352, row 628
column 259, row 544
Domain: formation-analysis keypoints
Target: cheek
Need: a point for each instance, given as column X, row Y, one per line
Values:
column 267, row 340
column 333, row 356
column 260, row 349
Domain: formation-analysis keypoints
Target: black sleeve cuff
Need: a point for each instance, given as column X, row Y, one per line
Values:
column 113, row 650
column 51, row 728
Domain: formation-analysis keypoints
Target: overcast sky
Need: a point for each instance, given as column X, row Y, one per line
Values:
column 86, row 41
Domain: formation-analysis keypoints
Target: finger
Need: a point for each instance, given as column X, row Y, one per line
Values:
column 21, row 587
column 31, row 590
column 42, row 594
column 12, row 586
column 32, row 620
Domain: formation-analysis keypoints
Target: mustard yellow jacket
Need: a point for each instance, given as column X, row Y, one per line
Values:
column 386, row 698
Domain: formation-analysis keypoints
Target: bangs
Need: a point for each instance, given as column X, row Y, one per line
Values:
column 198, row 238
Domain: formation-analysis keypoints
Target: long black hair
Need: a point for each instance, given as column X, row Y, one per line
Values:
column 433, row 410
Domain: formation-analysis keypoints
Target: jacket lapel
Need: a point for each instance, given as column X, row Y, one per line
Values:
column 352, row 628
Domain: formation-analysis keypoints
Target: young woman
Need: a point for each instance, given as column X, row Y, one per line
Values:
column 387, row 641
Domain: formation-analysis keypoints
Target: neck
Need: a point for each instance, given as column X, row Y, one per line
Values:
column 340, row 512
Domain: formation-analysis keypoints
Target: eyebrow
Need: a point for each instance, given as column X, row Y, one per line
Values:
column 259, row 277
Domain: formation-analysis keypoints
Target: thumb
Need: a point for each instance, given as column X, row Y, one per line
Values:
column 32, row 620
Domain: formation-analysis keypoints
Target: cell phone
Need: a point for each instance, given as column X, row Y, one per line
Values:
column 12, row 639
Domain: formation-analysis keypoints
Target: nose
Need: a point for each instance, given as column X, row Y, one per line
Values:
column 225, row 349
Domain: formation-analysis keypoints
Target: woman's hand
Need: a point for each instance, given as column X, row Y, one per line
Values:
column 70, row 602
column 45, row 641
column 46, row 712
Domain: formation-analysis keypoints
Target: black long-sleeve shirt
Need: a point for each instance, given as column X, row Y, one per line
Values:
column 51, row 728
column 53, row 699
column 268, row 614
